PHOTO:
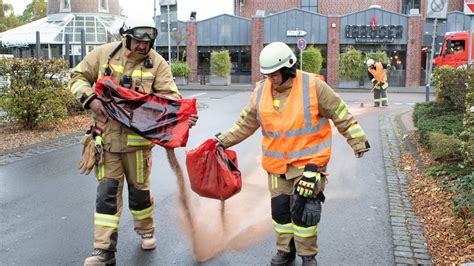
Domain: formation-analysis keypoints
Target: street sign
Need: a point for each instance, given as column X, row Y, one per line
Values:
column 469, row 7
column 437, row 9
column 295, row 33
column 167, row 2
column 301, row 43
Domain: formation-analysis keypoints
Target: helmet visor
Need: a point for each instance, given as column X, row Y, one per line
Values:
column 144, row 33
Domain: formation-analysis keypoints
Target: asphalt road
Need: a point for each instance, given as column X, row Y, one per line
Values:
column 47, row 207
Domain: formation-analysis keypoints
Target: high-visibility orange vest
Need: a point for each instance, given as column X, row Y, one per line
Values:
column 378, row 72
column 297, row 135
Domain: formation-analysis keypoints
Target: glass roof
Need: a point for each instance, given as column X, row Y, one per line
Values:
column 98, row 29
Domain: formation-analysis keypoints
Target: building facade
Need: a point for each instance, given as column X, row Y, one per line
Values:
column 400, row 28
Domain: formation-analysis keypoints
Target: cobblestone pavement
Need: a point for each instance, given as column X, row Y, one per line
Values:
column 37, row 149
column 410, row 246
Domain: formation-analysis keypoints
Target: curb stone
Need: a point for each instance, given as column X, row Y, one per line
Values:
column 11, row 156
column 409, row 244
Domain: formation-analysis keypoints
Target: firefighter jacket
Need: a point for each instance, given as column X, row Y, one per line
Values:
column 154, row 78
column 302, row 107
column 378, row 76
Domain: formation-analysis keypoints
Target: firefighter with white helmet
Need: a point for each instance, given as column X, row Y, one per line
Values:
column 293, row 109
column 378, row 77
column 127, row 157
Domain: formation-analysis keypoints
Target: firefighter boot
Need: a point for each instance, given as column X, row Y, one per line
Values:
column 309, row 261
column 283, row 258
column 148, row 241
column 100, row 257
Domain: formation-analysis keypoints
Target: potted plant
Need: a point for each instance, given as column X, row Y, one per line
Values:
column 220, row 68
column 312, row 61
column 352, row 68
column 181, row 72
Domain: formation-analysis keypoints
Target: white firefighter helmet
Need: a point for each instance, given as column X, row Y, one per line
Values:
column 275, row 56
column 370, row 62
column 141, row 28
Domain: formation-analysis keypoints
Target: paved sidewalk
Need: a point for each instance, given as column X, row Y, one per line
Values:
column 410, row 247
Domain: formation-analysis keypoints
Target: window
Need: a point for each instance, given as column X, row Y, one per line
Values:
column 410, row 4
column 455, row 47
column 65, row 6
column 309, row 5
column 103, row 6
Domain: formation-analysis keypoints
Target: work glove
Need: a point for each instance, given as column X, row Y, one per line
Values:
column 310, row 184
column 312, row 211
column 89, row 152
column 297, row 204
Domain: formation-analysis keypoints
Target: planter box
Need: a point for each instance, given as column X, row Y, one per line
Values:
column 180, row 81
column 219, row 81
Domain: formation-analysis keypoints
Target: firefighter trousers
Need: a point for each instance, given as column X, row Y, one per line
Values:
column 135, row 168
column 380, row 97
column 305, row 237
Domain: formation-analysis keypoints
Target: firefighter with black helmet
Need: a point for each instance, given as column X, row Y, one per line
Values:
column 127, row 157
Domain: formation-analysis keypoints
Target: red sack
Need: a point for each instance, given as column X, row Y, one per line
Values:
column 158, row 118
column 213, row 171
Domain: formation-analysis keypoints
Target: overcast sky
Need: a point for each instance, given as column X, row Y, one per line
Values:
column 204, row 8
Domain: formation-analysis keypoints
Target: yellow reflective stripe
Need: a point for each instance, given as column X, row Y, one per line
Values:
column 377, row 100
column 76, row 69
column 135, row 140
column 234, row 128
column 78, row 84
column 310, row 174
column 244, row 113
column 341, row 110
column 356, row 131
column 373, row 80
column 276, row 103
column 305, row 231
column 106, row 220
column 139, row 73
column 140, row 165
column 117, row 68
column 142, row 214
column 283, row 228
column 274, row 179
column 100, row 171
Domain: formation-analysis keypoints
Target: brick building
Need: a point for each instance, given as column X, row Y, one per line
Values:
column 329, row 25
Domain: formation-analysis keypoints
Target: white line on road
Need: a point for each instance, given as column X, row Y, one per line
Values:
column 196, row 95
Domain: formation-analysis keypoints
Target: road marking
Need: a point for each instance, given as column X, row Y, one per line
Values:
column 196, row 95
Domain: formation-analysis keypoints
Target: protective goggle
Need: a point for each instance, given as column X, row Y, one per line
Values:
column 143, row 33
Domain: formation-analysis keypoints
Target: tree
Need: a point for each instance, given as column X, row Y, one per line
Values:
column 312, row 60
column 35, row 10
column 10, row 20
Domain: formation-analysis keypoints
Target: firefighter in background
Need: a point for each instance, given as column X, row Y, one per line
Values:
column 378, row 77
column 126, row 156
column 294, row 108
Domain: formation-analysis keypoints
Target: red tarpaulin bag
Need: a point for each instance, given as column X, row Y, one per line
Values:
column 213, row 172
column 160, row 119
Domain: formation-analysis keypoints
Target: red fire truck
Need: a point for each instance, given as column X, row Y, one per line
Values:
column 453, row 52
